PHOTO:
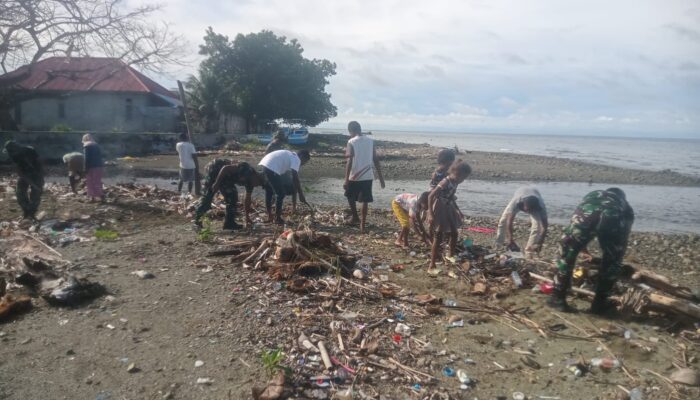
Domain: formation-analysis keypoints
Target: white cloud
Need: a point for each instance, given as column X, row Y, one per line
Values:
column 518, row 66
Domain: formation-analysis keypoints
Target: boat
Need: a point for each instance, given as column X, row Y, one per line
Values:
column 298, row 136
column 269, row 133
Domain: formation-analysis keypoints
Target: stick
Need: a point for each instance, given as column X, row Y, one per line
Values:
column 260, row 249
column 51, row 249
column 405, row 368
column 340, row 343
column 324, row 355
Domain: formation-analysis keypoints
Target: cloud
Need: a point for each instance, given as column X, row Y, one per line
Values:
column 490, row 65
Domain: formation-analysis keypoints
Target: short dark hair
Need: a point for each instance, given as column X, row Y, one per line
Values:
column 460, row 167
column 445, row 156
column 532, row 202
column 304, row 155
column 354, row 127
column 184, row 136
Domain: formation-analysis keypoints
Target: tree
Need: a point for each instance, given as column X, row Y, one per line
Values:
column 34, row 29
column 31, row 30
column 267, row 77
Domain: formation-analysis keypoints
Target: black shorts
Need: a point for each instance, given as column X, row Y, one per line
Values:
column 359, row 191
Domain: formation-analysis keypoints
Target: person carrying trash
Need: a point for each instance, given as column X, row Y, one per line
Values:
column 607, row 215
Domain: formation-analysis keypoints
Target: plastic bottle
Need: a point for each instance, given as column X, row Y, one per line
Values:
column 606, row 363
column 463, row 377
column 516, row 279
column 449, row 303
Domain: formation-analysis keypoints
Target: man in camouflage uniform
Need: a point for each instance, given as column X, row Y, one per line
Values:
column 30, row 183
column 222, row 175
column 607, row 215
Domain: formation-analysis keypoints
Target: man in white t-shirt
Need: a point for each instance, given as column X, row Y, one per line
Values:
column 528, row 200
column 188, row 162
column 359, row 172
column 275, row 165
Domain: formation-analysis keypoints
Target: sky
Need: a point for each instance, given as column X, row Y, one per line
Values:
column 615, row 68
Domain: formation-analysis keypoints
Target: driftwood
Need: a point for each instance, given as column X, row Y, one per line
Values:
column 643, row 300
column 263, row 246
column 662, row 283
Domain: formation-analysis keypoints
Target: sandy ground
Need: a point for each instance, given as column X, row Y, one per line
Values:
column 207, row 309
column 408, row 161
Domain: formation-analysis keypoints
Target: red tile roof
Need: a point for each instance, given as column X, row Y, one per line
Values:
column 97, row 74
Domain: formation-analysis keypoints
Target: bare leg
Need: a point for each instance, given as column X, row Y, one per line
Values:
column 189, row 187
column 353, row 210
column 436, row 249
column 453, row 243
column 294, row 202
column 363, row 217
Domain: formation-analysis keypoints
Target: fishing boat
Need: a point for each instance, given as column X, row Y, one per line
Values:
column 298, row 132
column 269, row 132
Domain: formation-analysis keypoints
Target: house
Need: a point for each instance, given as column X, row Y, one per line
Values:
column 91, row 94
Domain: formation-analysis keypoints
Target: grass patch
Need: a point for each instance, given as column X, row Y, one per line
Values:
column 205, row 234
column 106, row 234
column 252, row 145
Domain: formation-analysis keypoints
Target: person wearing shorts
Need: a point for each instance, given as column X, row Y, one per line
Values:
column 409, row 210
column 362, row 161
column 188, row 162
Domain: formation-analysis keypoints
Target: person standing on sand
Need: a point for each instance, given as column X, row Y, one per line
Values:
column 221, row 176
column 188, row 162
column 30, row 183
column 76, row 169
column 275, row 165
column 607, row 215
column 528, row 200
column 94, row 168
column 445, row 216
column 359, row 172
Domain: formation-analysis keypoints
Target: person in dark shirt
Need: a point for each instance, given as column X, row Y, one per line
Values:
column 93, row 167
column 605, row 214
column 30, row 183
column 222, row 175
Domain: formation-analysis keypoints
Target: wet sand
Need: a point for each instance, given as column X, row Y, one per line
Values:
column 413, row 161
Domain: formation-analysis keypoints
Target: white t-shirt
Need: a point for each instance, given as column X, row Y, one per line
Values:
column 361, row 148
column 281, row 161
column 186, row 150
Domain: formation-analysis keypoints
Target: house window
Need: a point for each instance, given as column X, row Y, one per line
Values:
column 61, row 110
column 129, row 109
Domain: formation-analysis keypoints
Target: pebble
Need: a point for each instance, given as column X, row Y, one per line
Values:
column 132, row 368
column 204, row 381
column 143, row 274
column 198, row 363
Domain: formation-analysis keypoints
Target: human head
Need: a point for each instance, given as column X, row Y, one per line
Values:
column 423, row 201
column 617, row 192
column 11, row 147
column 354, row 128
column 87, row 138
column 280, row 136
column 445, row 157
column 459, row 171
column 304, row 156
column 530, row 204
column 184, row 137
column 245, row 171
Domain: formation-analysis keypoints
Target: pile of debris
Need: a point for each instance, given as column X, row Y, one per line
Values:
column 30, row 268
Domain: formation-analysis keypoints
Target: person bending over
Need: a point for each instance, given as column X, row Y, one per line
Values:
column 76, row 169
column 275, row 165
column 30, row 183
column 529, row 201
column 604, row 214
column 410, row 210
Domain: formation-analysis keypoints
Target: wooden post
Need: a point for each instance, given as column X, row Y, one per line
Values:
column 197, row 180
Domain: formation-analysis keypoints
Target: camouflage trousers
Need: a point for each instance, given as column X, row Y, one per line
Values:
column 611, row 228
column 28, row 191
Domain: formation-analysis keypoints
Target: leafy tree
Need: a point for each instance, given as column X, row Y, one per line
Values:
column 267, row 77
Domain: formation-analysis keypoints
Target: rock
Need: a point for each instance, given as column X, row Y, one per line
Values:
column 198, row 363
column 686, row 376
column 204, row 381
column 132, row 368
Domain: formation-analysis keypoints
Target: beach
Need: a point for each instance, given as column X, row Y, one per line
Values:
column 224, row 315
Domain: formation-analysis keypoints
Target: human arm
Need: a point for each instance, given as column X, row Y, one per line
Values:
column 349, row 153
column 228, row 169
column 297, row 186
column 377, row 166
column 417, row 222
column 247, row 206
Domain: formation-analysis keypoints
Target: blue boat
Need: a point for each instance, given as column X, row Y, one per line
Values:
column 298, row 136
column 297, row 133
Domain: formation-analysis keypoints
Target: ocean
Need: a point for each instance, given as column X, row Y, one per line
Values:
column 679, row 155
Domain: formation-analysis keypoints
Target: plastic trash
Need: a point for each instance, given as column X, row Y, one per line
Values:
column 518, row 396
column 417, row 387
column 463, row 377
column 636, row 394
column 449, row 303
column 468, row 243
column 516, row 279
column 605, row 363
column 400, row 316
column 403, row 329
column 396, row 339
column 449, row 372
column 628, row 334
column 546, row 288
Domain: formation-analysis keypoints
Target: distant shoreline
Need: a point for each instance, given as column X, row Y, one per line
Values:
column 417, row 162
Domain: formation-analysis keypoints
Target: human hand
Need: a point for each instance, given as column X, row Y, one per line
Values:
column 381, row 182
column 346, row 184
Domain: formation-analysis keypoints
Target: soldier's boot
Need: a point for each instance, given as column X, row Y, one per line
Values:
column 558, row 297
column 601, row 304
